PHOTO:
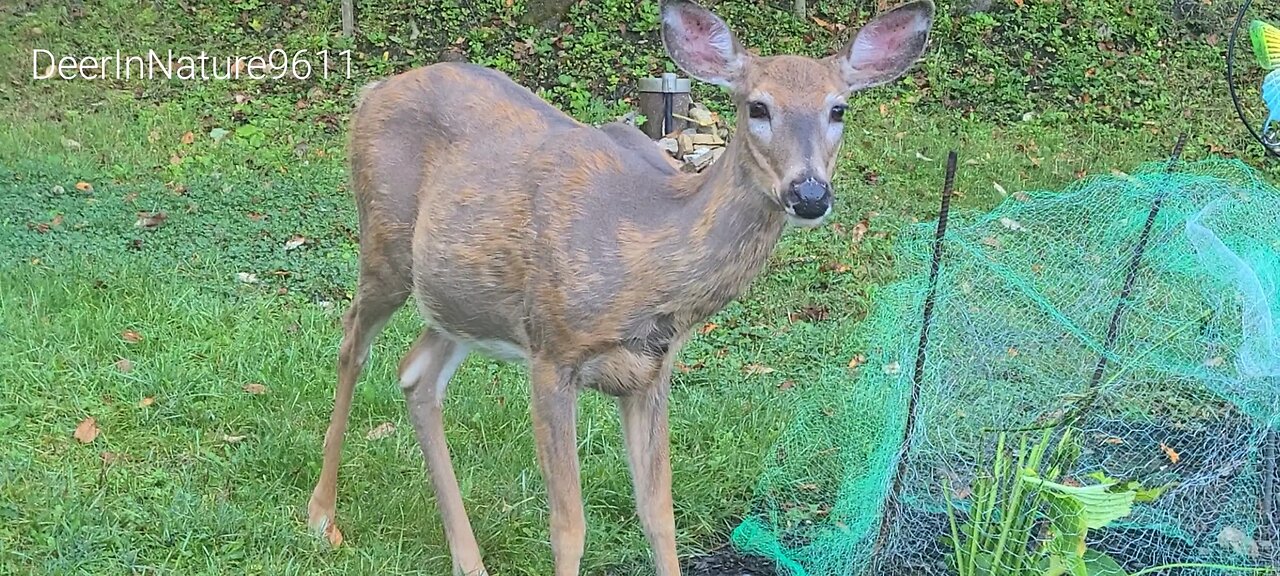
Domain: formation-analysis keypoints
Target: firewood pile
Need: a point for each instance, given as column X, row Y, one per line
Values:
column 701, row 143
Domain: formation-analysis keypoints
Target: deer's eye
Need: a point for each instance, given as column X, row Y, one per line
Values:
column 758, row 111
column 837, row 113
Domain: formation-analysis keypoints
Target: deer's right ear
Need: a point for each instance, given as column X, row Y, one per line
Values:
column 701, row 43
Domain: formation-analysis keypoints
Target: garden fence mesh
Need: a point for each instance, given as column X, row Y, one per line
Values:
column 1025, row 294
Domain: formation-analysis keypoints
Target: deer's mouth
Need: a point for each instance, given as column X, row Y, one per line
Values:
column 810, row 222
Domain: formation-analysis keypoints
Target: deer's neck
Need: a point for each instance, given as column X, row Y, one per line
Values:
column 732, row 234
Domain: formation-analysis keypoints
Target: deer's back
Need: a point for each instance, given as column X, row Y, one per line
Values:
column 524, row 228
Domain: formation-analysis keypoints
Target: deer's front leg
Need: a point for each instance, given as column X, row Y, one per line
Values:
column 554, row 405
column 646, row 434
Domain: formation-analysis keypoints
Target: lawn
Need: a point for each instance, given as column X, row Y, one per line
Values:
column 203, row 343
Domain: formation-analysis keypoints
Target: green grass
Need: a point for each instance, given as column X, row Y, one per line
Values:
column 163, row 490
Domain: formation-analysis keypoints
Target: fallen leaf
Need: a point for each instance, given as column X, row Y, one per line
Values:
column 884, row 109
column 175, row 160
column 962, row 492
column 833, row 266
column 707, row 328
column 295, row 242
column 255, row 216
column 1113, row 441
column 756, row 369
column 147, row 401
column 1170, row 453
column 809, row 314
column 381, row 431
column 124, row 365
column 786, row 385
column 860, row 230
column 247, row 278
column 333, row 535
column 823, row 23
column 686, row 368
column 131, row 336
column 1013, row 352
column 150, row 220
column 857, row 361
column 189, row 137
column 999, row 188
column 86, row 431
column 84, row 186
column 232, row 439
column 920, row 156
column 255, row 388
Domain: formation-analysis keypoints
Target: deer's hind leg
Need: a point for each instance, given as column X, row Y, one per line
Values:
column 380, row 291
column 424, row 376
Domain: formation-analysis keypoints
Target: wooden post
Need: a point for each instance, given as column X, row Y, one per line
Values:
column 348, row 17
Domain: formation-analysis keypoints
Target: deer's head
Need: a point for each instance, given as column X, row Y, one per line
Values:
column 791, row 108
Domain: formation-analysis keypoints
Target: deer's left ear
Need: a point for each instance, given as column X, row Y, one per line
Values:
column 887, row 46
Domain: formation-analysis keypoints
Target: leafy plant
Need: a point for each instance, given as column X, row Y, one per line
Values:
column 1023, row 522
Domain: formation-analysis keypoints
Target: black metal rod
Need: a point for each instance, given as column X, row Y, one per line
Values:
column 668, row 113
column 917, row 376
column 1130, row 278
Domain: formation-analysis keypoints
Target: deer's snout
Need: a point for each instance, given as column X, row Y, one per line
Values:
column 808, row 199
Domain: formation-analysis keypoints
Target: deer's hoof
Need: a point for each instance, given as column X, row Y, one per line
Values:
column 320, row 520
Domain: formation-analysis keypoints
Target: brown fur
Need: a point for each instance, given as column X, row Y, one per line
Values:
column 584, row 250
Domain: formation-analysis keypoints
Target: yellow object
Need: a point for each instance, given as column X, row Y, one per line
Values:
column 1266, row 43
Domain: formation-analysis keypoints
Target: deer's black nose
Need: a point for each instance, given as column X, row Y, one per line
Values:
column 808, row 199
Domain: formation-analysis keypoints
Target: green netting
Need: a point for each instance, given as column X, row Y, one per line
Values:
column 1025, row 296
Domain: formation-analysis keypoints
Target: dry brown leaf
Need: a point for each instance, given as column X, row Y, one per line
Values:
column 860, row 229
column 1113, row 441
column 756, row 369
column 824, row 23
column 84, row 186
column 884, row 109
column 151, row 220
column 175, row 160
column 786, row 385
column 295, row 242
column 1013, row 352
column 124, row 365
column 857, row 361
column 333, row 535
column 381, row 431
column 131, row 336
column 86, row 431
column 189, row 137
column 708, row 327
column 1170, row 453
column 255, row 388
column 147, row 401
column 962, row 492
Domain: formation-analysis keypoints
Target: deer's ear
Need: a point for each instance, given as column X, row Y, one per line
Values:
column 701, row 43
column 887, row 46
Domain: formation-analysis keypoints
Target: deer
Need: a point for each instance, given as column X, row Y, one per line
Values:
column 582, row 252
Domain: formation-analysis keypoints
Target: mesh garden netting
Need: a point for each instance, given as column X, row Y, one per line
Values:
column 1173, row 414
